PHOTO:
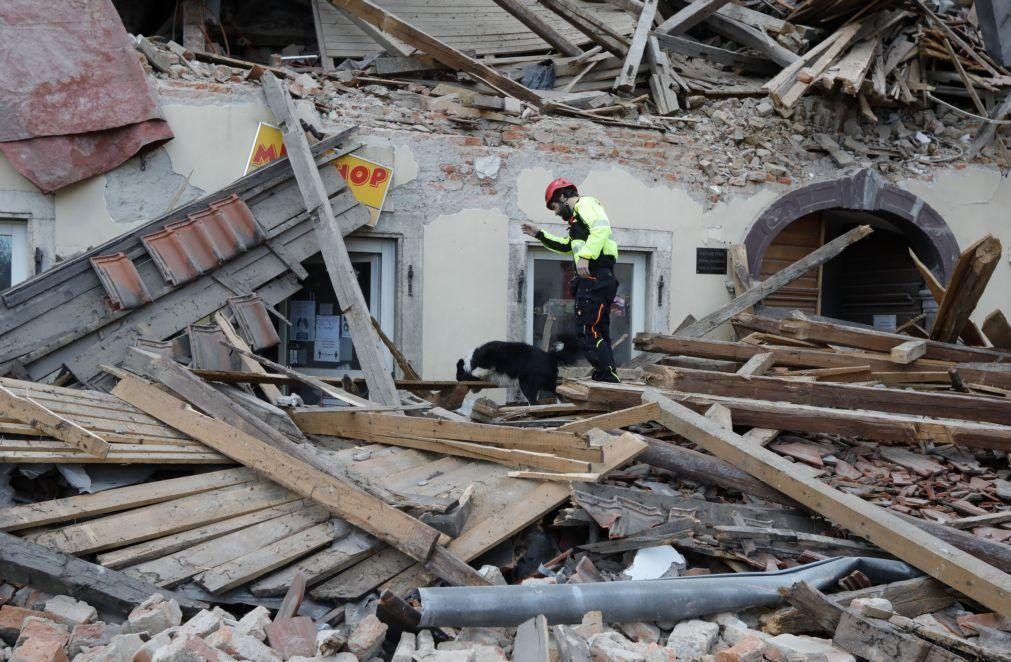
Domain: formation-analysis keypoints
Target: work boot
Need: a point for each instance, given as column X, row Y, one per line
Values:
column 605, row 375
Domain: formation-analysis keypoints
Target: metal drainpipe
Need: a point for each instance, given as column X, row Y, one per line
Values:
column 630, row 601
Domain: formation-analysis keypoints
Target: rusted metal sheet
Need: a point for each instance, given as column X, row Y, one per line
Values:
column 121, row 280
column 202, row 242
column 254, row 321
column 52, row 162
column 75, row 97
column 208, row 348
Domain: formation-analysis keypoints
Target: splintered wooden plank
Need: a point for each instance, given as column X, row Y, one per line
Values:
column 32, row 413
column 612, row 420
column 630, row 68
column 365, row 426
column 775, row 282
column 517, row 504
column 328, row 232
column 358, row 508
column 178, row 567
column 321, row 566
column 963, row 572
column 363, row 577
column 255, row 564
column 970, row 332
column 998, row 330
column 153, row 549
column 123, row 498
column 508, row 457
column 829, row 333
column 972, row 273
column 829, row 394
column 439, row 50
column 909, row 351
column 164, row 518
column 271, row 391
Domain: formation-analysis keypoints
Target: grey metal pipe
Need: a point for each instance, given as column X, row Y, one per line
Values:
column 629, row 601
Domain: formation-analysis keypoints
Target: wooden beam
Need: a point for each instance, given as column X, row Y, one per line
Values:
column 331, row 244
column 909, row 351
column 828, row 333
column 745, row 35
column 391, row 45
column 122, row 498
column 972, row 577
column 596, row 30
column 689, row 16
column 398, row 356
column 998, row 330
column 47, row 570
column 970, row 333
column 757, row 365
column 662, row 80
column 832, row 394
column 692, row 48
column 775, row 282
column 612, row 420
column 988, row 130
column 536, row 25
column 367, row 426
column 441, row 51
column 30, row 412
column 877, row 426
column 360, row 509
column 972, row 273
column 630, row 68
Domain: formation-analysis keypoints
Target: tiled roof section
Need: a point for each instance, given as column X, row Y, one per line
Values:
column 121, row 280
column 254, row 321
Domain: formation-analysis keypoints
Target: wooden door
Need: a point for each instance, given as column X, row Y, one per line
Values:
column 794, row 242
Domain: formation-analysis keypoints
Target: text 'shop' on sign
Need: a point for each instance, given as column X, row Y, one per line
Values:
column 369, row 181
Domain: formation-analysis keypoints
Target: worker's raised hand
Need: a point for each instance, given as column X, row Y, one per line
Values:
column 530, row 229
column 583, row 267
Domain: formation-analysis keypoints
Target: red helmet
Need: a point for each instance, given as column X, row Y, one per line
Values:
column 554, row 186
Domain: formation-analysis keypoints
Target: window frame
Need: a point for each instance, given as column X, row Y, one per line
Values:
column 639, row 261
column 22, row 258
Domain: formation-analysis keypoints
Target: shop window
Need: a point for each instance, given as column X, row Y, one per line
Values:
column 319, row 342
column 14, row 262
column 551, row 306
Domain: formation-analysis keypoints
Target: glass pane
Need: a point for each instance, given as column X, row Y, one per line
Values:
column 554, row 306
column 319, row 337
column 6, row 261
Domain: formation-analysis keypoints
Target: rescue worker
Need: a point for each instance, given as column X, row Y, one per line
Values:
column 595, row 253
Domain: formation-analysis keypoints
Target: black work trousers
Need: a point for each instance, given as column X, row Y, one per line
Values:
column 594, row 296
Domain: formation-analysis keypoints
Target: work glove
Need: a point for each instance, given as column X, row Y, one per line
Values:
column 583, row 267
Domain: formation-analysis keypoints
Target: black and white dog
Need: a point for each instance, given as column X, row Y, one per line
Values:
column 517, row 363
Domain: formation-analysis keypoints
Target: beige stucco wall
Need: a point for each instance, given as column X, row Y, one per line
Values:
column 466, row 258
column 632, row 203
column 975, row 201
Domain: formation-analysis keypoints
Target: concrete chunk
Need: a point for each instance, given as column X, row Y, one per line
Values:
column 188, row 648
column 367, row 637
column 405, row 649
column 873, row 607
column 90, row 635
column 254, row 623
column 71, row 611
column 693, row 639
column 241, row 646
column 154, row 615
column 121, row 648
column 802, row 648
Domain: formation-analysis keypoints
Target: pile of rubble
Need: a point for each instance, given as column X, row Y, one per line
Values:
column 874, row 59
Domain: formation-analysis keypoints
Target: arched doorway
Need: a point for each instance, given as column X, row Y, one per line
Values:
column 874, row 281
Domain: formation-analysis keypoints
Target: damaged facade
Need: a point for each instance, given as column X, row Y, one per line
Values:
column 171, row 285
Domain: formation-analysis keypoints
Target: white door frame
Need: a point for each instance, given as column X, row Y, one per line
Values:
column 637, row 323
column 21, row 262
column 382, row 255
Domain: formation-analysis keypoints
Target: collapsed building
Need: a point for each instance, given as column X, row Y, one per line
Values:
column 308, row 200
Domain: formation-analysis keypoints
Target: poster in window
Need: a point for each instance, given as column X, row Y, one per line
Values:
column 326, row 347
column 345, row 327
column 303, row 320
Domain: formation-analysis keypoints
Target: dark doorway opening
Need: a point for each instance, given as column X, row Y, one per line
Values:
column 873, row 282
